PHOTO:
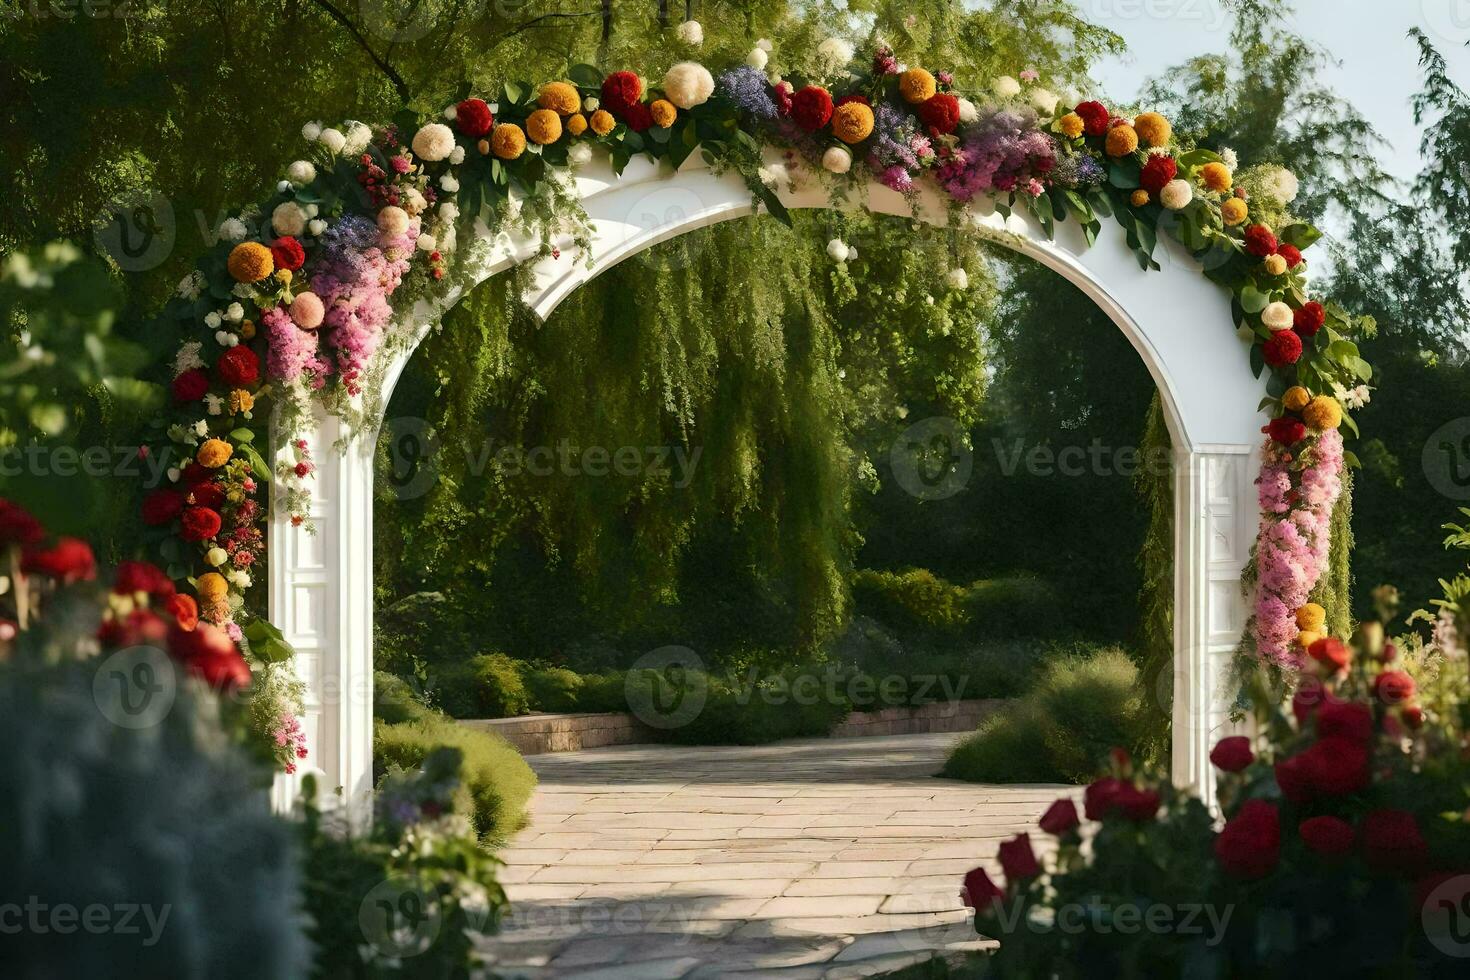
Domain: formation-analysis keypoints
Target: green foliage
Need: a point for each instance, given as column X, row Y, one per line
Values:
column 395, row 702
column 499, row 690
column 1334, row 591
column 554, row 689
column 1155, row 487
column 915, row 597
column 1009, row 747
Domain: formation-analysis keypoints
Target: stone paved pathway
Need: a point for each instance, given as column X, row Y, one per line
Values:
column 810, row 858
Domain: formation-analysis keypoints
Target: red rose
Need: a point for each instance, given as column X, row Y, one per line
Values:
column 18, row 526
column 941, row 113
column 1291, row 254
column 811, row 108
column 1336, row 766
column 1109, row 795
column 1294, row 777
column 288, row 253
column 1095, row 119
column 142, row 576
column 162, row 506
column 1259, row 241
column 1232, row 754
column 193, row 473
column 1305, row 702
column 1284, row 348
column 979, row 892
column 238, row 367
column 1249, row 845
column 638, row 116
column 620, row 90
column 1059, row 818
column 200, row 524
column 141, row 627
column 1099, row 797
column 1392, row 843
column 473, row 118
column 1287, row 430
column 69, row 560
column 1330, row 652
column 1346, row 719
column 1018, row 860
column 184, row 610
column 1157, row 172
column 1413, row 716
column 1328, row 836
column 1136, row 804
column 1309, row 319
column 1393, row 687
column 210, row 495
column 191, row 386
column 207, row 652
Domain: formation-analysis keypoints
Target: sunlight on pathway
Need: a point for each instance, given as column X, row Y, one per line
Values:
column 811, row 858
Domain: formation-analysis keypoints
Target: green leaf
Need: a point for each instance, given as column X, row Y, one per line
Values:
column 585, row 76
column 242, row 435
column 773, row 204
column 1301, row 235
column 1124, row 174
column 257, row 462
column 267, row 643
column 514, row 94
column 1198, row 158
column 1252, row 300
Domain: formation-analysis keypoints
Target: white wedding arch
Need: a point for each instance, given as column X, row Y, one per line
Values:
column 321, row 585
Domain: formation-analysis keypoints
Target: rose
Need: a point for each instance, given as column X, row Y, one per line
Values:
column 1287, row 431
column 190, row 386
column 200, row 524
column 184, row 610
column 1232, row 754
column 1249, row 845
column 1327, row 835
column 1294, row 777
column 1157, row 173
column 1351, row 720
column 979, row 892
column 238, row 367
column 1336, row 766
column 17, row 526
column 1393, row 687
column 1095, row 118
column 207, row 652
column 141, row 576
column 207, row 494
column 69, row 560
column 288, row 253
column 1330, row 652
column 1259, row 241
column 1060, row 818
column 1392, row 842
column 1017, row 859
column 1109, row 795
column 474, row 118
column 162, row 506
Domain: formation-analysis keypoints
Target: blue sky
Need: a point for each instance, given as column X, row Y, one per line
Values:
column 1378, row 68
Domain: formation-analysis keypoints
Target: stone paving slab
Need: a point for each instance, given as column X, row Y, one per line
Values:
column 817, row 858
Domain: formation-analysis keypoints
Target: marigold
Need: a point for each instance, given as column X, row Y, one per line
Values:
column 576, row 124
column 214, row 453
column 1234, row 211
column 241, row 401
column 544, row 127
column 1122, row 140
column 212, row 586
column 1323, row 413
column 560, row 97
column 602, row 122
column 1311, row 618
column 916, row 85
column 507, row 141
column 1153, row 129
column 1216, row 176
column 852, row 122
column 663, row 112
column 1296, row 398
column 1071, row 125
column 250, row 262
column 1139, row 198
column 1306, row 638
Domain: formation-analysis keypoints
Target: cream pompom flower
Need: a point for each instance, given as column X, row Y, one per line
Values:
column 838, row 250
column 1005, row 87
column 288, row 219
column 333, row 139
column 690, row 32
column 833, row 53
column 1277, row 316
column 1176, row 195
column 688, row 84
column 433, row 142
column 837, row 160
column 301, row 172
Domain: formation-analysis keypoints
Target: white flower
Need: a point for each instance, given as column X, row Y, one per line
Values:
column 426, row 243
column 216, row 556
column 690, row 32
column 1284, row 184
column 413, row 201
column 449, row 183
column 358, row 136
column 188, row 358
column 448, row 211
column 301, row 172
column 173, row 474
column 1277, row 316
column 433, row 141
column 311, row 210
column 958, row 278
column 837, row 250
column 316, row 227
column 234, row 313
column 212, row 320
column 833, row 54
column 580, row 154
column 392, row 221
column 311, row 132
column 288, row 218
column 1045, row 101
column 1176, row 194
column 757, row 59
column 190, row 285
column 233, row 230
column 333, row 139
column 222, row 337
column 837, row 159
column 239, row 578
column 968, row 112
column 201, row 428
column 764, row 45
column 456, row 156
column 1228, row 157
column 214, row 404
column 282, row 186
column 590, row 104
column 774, row 175
column 451, row 112
column 1005, row 87
column 688, row 84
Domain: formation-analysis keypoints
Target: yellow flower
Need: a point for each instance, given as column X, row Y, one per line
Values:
column 1296, row 398
column 214, row 453
column 212, row 586
column 284, row 275
column 1311, row 618
column 250, row 262
column 1153, row 129
column 559, row 97
column 484, row 147
column 544, row 127
column 1139, row 198
column 577, row 124
column 1122, row 140
column 1216, row 177
column 852, row 122
column 1306, row 638
column 1323, row 413
column 1071, row 125
column 507, row 141
column 602, row 122
column 247, row 329
column 1233, row 211
column 1275, row 265
column 241, row 401
column 917, row 85
column 663, row 113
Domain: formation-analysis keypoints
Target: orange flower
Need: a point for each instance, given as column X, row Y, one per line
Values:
column 576, row 124
column 1153, row 129
column 602, row 122
column 852, row 122
column 544, row 127
column 663, row 113
column 1216, row 177
column 250, row 262
column 559, row 97
column 1122, row 140
column 917, row 85
column 507, row 141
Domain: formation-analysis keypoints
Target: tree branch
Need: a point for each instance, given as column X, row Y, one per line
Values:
column 398, row 83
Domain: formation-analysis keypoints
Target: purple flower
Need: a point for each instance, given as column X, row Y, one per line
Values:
column 746, row 88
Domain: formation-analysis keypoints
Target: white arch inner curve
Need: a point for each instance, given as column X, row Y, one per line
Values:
column 1179, row 322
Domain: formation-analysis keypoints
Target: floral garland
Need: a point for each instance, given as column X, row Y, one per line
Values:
column 298, row 297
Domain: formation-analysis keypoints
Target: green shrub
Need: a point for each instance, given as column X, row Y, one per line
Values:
column 603, row 692
column 394, row 701
column 915, row 597
column 554, row 689
column 1009, row 747
column 499, row 690
column 453, row 690
column 736, row 712
column 1018, row 605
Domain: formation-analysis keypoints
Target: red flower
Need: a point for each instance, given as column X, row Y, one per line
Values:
column 1291, row 254
column 1336, row 766
column 191, row 386
column 811, row 108
column 473, row 118
column 1392, row 843
column 1109, row 795
column 69, row 560
column 238, row 367
column 941, row 113
column 1018, row 860
column 184, row 610
column 1060, row 818
column 200, row 524
column 1157, row 172
column 979, row 892
column 1139, row 805
column 142, row 576
column 1232, row 754
column 1328, row 836
column 1330, row 652
column 288, row 253
column 1284, row 348
column 141, row 627
column 162, row 506
column 620, row 90
column 1393, row 687
column 1259, row 241
column 1098, row 799
column 1309, row 318
column 1351, row 720
column 1095, row 118
column 17, row 526
column 1294, row 777
column 207, row 652
column 853, row 98
column 193, row 473
column 1249, row 845
column 1305, row 702
column 638, row 116
column 210, row 495
column 1287, row 430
